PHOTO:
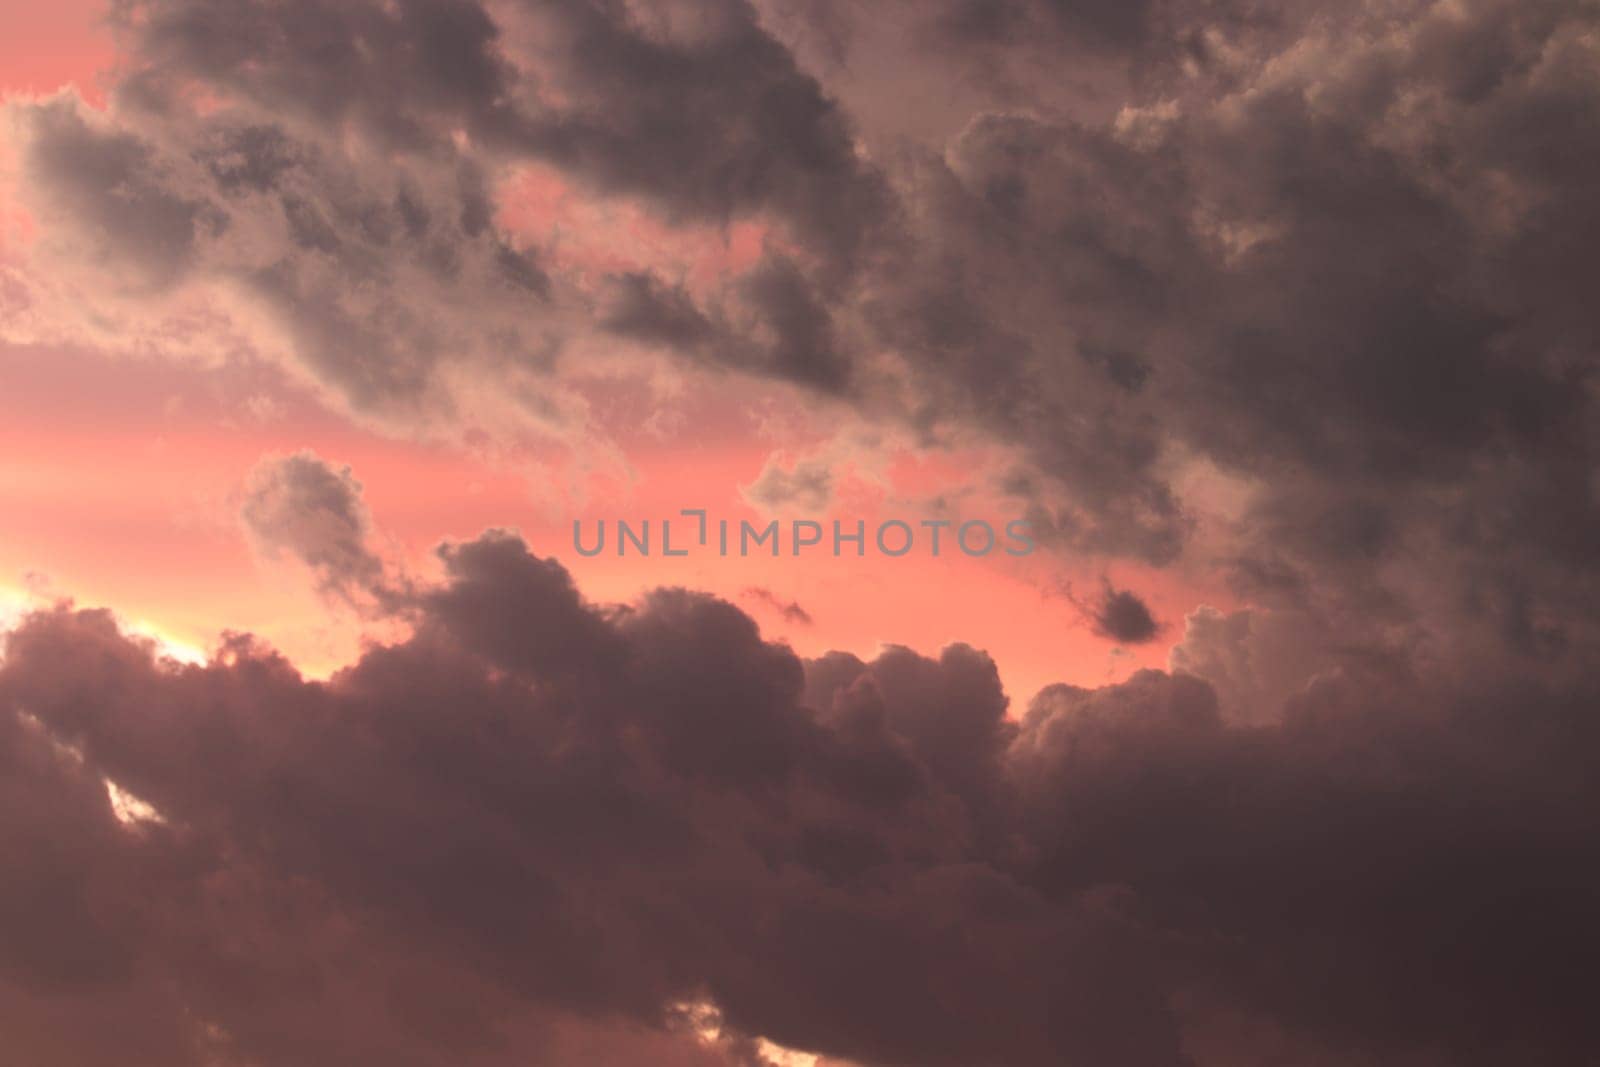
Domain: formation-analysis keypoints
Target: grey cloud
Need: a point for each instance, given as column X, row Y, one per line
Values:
column 1256, row 659
column 641, row 307
column 783, row 484
column 712, row 121
column 302, row 506
column 1040, row 237
column 1333, row 278
column 694, row 107
column 352, row 154
column 114, row 186
column 1012, row 22
column 772, row 323
column 377, row 276
column 803, row 347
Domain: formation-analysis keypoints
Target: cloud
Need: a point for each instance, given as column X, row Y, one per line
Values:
column 375, row 275
column 1269, row 272
column 1118, row 615
column 302, row 506
column 352, row 216
column 537, row 812
column 1257, row 660
column 1121, row 616
column 112, row 185
column 1328, row 257
column 1300, row 300
column 803, row 484
column 789, row 609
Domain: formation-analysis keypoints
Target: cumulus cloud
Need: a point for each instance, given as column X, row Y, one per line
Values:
column 1257, row 659
column 538, row 821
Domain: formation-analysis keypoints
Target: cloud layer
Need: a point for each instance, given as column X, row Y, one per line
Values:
column 537, row 815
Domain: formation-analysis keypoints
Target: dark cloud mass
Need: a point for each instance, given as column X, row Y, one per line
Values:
column 537, row 816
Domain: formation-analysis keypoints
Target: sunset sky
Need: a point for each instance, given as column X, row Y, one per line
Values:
column 135, row 462
column 322, row 322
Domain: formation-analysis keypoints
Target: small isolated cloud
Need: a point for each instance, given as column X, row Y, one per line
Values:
column 1124, row 617
column 789, row 609
column 1118, row 615
column 301, row 506
column 806, row 485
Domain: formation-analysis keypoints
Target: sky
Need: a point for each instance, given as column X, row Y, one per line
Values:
column 325, row 323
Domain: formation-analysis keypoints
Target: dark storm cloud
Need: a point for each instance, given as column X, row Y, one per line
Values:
column 1338, row 278
column 537, row 812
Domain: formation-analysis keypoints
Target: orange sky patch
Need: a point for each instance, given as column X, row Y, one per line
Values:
column 44, row 46
column 120, row 482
